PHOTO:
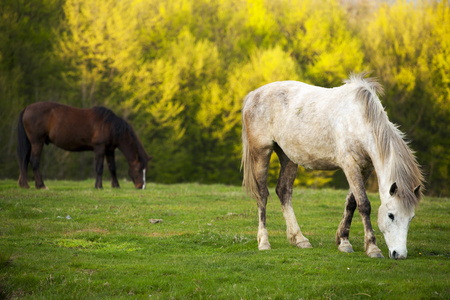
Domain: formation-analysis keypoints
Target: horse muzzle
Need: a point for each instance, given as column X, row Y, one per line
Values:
column 140, row 186
column 397, row 255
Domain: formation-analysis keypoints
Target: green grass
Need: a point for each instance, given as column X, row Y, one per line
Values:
column 205, row 247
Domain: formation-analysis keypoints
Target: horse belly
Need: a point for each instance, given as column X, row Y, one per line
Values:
column 310, row 155
column 71, row 137
column 308, row 142
column 71, row 144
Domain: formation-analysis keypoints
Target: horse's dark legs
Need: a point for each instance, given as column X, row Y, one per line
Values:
column 261, row 165
column 343, row 231
column 112, row 168
column 356, row 182
column 99, row 158
column 35, row 158
column 284, row 190
column 24, row 160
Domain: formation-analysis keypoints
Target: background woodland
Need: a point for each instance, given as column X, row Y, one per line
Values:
column 178, row 71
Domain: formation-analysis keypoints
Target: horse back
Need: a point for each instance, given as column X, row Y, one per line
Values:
column 314, row 126
column 69, row 128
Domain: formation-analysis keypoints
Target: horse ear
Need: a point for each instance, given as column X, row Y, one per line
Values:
column 417, row 191
column 393, row 189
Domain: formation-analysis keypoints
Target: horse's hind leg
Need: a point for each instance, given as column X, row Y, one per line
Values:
column 23, row 176
column 112, row 168
column 261, row 160
column 284, row 190
column 24, row 160
column 99, row 159
column 35, row 158
column 342, row 234
column 23, row 152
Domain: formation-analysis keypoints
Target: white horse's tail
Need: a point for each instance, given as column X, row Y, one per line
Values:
column 247, row 165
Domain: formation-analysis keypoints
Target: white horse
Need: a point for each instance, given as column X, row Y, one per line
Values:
column 320, row 128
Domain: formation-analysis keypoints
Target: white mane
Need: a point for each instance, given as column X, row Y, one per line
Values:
column 405, row 170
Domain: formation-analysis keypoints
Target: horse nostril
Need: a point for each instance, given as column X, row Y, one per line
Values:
column 395, row 255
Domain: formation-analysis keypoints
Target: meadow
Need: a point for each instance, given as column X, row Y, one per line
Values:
column 197, row 241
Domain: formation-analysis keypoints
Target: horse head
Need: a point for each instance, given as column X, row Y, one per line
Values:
column 394, row 218
column 137, row 171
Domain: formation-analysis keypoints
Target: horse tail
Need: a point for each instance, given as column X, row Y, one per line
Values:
column 23, row 149
column 247, row 165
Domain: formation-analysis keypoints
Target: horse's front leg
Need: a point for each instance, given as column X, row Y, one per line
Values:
column 356, row 182
column 112, row 168
column 99, row 158
column 343, row 232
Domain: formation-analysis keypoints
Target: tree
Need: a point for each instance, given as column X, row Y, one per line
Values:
column 407, row 45
column 178, row 72
column 26, row 66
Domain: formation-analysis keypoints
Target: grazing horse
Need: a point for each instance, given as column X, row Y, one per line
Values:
column 319, row 128
column 97, row 129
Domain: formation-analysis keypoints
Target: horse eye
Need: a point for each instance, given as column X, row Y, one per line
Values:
column 391, row 216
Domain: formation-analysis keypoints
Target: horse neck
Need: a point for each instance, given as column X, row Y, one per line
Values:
column 381, row 164
column 383, row 171
column 129, row 146
column 397, row 164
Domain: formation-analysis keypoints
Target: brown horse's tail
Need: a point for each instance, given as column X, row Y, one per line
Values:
column 23, row 151
column 247, row 165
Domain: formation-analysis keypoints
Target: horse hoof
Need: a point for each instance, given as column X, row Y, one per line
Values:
column 304, row 244
column 264, row 246
column 375, row 255
column 373, row 251
column 345, row 248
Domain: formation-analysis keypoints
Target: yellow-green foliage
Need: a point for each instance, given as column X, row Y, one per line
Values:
column 178, row 71
column 408, row 47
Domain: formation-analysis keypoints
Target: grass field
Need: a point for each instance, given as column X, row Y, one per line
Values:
column 75, row 242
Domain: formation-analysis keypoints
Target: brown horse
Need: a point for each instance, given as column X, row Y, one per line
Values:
column 97, row 129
